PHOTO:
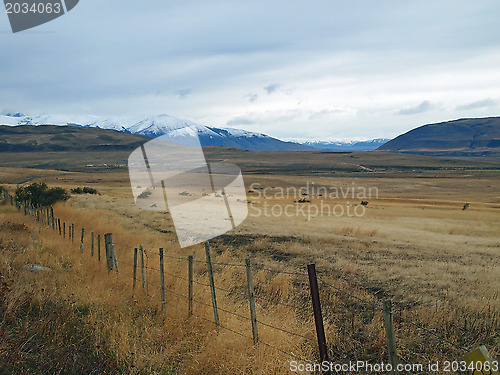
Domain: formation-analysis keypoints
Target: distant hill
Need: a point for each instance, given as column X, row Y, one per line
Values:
column 178, row 130
column 47, row 138
column 369, row 145
column 464, row 137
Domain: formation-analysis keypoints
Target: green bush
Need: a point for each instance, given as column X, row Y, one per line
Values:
column 85, row 190
column 41, row 194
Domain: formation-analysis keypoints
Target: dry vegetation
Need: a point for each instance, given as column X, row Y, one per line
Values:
column 415, row 245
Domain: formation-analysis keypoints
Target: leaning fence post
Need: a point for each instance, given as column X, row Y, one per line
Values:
column 135, row 268
column 92, row 244
column 318, row 317
column 390, row 335
column 142, row 270
column 81, row 241
column 110, row 252
column 251, row 299
column 59, row 225
column 162, row 279
column 190, row 284
column 211, row 279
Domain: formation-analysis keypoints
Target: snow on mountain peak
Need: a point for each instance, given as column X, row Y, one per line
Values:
column 152, row 126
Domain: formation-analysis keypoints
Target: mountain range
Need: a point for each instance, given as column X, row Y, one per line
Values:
column 369, row 145
column 463, row 137
column 176, row 129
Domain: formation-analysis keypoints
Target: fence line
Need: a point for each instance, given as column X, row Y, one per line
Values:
column 45, row 216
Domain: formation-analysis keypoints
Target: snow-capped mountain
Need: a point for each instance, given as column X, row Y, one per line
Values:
column 347, row 145
column 176, row 129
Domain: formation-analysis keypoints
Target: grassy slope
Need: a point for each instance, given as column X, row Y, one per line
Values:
column 41, row 331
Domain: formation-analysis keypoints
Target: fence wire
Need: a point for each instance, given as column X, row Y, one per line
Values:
column 41, row 217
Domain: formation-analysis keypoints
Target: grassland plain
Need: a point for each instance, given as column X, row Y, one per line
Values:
column 414, row 244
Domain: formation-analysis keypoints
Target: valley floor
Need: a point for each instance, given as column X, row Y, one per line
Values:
column 428, row 241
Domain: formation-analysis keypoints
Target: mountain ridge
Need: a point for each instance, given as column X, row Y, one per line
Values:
column 154, row 126
column 461, row 137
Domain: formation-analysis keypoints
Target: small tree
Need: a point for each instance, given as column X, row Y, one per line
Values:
column 41, row 194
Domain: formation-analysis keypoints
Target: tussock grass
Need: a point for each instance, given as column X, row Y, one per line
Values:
column 437, row 263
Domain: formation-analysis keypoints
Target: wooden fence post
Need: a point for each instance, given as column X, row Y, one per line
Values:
column 162, row 279
column 72, row 232
column 211, row 280
column 135, row 269
column 64, row 230
column 52, row 217
column 251, row 299
column 190, row 284
column 142, row 270
column 81, row 241
column 110, row 252
column 99, row 247
column 59, row 225
column 92, row 244
column 391, row 337
column 318, row 316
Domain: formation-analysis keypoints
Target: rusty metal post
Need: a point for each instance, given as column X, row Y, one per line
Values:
column 318, row 316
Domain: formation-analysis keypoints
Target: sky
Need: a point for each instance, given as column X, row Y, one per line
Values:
column 296, row 70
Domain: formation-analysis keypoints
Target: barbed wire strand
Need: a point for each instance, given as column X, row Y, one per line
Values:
column 302, row 308
column 432, row 333
column 285, row 331
column 291, row 306
column 351, row 295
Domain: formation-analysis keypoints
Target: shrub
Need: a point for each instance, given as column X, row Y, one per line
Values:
column 85, row 190
column 41, row 194
column 89, row 190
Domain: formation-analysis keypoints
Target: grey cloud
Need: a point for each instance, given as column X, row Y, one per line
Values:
column 240, row 120
column 421, row 108
column 223, row 49
column 252, row 97
column 485, row 103
column 325, row 113
column 184, row 93
column 272, row 87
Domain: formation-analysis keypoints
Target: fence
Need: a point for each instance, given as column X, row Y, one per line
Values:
column 140, row 268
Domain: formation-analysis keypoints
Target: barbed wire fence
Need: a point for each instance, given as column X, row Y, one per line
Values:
column 151, row 280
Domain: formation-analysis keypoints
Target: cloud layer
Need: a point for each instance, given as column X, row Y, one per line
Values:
column 318, row 69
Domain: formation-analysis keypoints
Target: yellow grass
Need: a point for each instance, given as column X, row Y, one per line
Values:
column 414, row 245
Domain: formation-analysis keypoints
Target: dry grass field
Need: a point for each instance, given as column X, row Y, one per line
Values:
column 412, row 243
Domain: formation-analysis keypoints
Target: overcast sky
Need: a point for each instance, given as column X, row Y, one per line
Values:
column 290, row 69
